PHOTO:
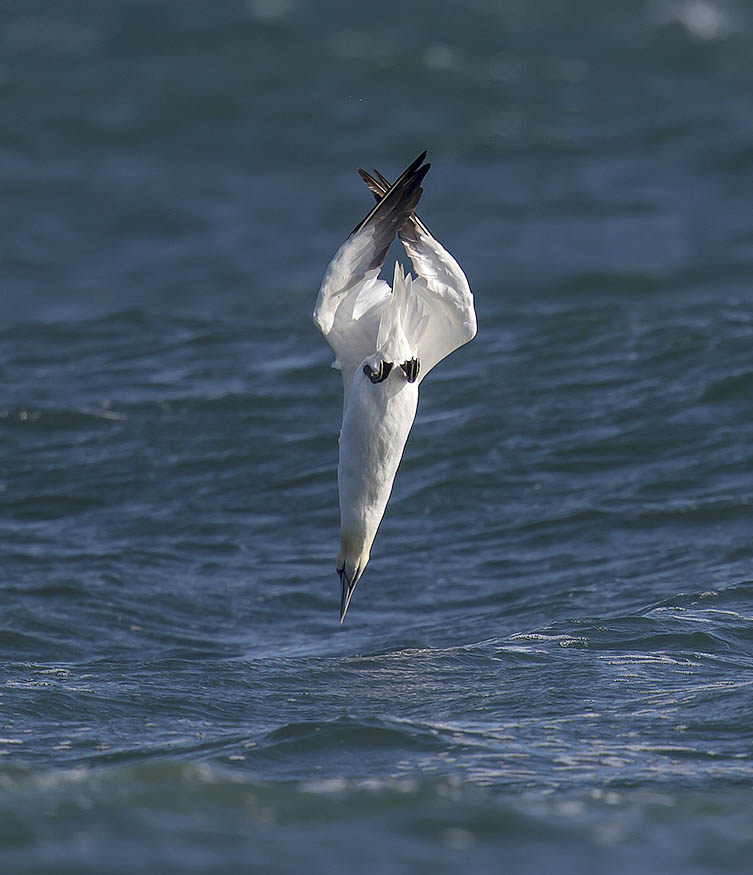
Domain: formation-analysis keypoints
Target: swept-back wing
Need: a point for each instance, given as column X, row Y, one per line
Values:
column 352, row 298
column 441, row 286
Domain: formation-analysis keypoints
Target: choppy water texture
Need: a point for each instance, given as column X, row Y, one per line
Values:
column 548, row 665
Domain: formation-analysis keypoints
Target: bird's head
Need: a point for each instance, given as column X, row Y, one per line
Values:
column 351, row 562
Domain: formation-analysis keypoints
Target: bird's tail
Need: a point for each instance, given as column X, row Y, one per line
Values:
column 403, row 321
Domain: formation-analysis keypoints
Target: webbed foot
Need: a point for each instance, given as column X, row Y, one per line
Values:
column 380, row 375
column 410, row 369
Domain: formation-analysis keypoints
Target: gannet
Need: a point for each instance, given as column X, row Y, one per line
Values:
column 385, row 341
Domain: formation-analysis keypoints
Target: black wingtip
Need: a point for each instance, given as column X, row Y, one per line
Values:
column 408, row 181
column 379, row 185
column 394, row 209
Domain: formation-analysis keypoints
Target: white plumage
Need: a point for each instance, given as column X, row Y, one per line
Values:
column 385, row 341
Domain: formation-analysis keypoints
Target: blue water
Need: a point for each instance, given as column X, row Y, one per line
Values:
column 548, row 664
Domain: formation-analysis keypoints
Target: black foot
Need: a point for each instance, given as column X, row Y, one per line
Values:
column 410, row 369
column 380, row 375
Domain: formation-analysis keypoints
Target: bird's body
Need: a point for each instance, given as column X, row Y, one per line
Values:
column 376, row 424
column 385, row 341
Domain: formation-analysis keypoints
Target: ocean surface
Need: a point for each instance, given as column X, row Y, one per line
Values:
column 548, row 664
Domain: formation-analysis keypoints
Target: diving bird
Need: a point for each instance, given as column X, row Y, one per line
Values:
column 385, row 341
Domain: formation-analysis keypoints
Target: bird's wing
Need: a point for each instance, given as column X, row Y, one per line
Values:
column 352, row 298
column 441, row 287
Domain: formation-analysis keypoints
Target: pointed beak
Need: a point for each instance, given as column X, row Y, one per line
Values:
column 348, row 587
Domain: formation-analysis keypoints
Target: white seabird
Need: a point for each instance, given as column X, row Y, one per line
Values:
column 385, row 340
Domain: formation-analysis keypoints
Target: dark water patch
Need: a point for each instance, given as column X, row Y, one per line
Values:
column 729, row 388
column 344, row 733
